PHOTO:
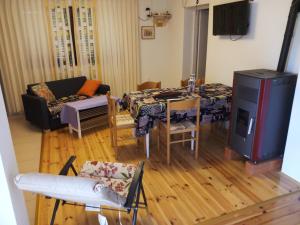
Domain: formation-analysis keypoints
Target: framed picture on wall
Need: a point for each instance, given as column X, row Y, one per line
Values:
column 148, row 32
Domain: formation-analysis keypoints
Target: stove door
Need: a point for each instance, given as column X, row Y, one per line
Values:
column 242, row 133
column 243, row 120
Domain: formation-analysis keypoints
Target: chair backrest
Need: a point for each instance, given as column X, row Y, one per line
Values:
column 182, row 105
column 111, row 103
column 184, row 83
column 135, row 186
column 187, row 104
column 148, row 85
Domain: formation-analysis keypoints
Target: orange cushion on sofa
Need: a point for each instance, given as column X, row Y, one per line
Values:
column 89, row 88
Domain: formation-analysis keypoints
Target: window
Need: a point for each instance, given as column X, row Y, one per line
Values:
column 73, row 38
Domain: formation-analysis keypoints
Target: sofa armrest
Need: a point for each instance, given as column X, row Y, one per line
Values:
column 36, row 111
column 103, row 89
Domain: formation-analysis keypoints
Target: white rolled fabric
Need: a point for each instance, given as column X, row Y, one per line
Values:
column 68, row 188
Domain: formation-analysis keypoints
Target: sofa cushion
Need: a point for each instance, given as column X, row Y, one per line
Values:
column 43, row 91
column 103, row 89
column 89, row 88
column 66, row 87
column 62, row 88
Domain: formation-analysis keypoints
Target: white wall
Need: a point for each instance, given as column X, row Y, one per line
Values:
column 291, row 165
column 168, row 58
column 259, row 49
column 161, row 58
column 12, row 205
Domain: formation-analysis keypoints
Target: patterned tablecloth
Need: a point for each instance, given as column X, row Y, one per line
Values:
column 145, row 108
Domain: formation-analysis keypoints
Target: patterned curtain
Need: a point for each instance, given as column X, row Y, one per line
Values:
column 73, row 35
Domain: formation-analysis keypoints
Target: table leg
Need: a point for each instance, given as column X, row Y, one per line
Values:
column 79, row 125
column 79, row 133
column 70, row 129
column 147, row 145
column 193, row 141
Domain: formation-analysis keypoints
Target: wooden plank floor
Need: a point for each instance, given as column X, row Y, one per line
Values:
column 282, row 210
column 185, row 193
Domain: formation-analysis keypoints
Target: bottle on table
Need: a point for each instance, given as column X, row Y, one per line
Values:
column 192, row 83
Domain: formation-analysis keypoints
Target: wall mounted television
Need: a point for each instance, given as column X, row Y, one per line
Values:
column 231, row 18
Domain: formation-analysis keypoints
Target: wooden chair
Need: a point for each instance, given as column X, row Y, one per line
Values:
column 184, row 83
column 183, row 127
column 148, row 85
column 117, row 122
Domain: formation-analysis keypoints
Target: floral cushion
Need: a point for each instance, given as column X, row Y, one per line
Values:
column 43, row 91
column 96, row 169
column 115, row 177
column 119, row 186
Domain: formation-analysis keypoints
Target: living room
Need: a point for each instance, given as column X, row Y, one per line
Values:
column 137, row 56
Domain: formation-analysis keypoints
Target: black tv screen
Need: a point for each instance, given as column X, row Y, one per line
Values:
column 231, row 18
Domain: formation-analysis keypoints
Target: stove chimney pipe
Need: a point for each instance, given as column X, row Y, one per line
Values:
column 295, row 9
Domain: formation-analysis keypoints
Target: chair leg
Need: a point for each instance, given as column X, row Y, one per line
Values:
column 111, row 136
column 197, row 145
column 168, row 150
column 137, row 201
column 56, row 205
column 115, row 142
column 134, row 217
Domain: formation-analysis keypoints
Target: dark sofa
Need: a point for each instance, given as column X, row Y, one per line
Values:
column 36, row 109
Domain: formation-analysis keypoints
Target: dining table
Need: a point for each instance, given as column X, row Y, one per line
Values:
column 150, row 105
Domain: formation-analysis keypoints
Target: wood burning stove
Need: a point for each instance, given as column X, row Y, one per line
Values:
column 262, row 102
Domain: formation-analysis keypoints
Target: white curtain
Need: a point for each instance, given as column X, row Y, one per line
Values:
column 24, row 48
column 119, row 40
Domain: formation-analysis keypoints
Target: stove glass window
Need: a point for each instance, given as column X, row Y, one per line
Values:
column 242, row 122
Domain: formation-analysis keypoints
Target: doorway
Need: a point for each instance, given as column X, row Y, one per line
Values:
column 200, row 43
